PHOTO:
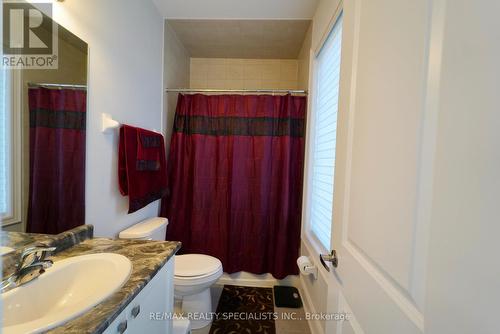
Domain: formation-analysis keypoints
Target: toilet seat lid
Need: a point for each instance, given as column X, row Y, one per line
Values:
column 190, row 265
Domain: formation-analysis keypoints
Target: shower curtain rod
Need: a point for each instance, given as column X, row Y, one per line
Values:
column 55, row 86
column 268, row 91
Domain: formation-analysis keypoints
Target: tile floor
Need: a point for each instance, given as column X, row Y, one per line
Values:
column 283, row 325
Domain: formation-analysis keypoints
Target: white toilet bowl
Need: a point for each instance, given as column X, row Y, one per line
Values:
column 193, row 276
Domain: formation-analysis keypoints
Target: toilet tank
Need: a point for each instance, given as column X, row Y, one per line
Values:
column 150, row 229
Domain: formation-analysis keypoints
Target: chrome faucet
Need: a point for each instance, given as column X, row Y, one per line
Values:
column 32, row 263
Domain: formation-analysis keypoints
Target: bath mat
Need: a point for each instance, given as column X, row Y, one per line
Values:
column 287, row 296
column 244, row 310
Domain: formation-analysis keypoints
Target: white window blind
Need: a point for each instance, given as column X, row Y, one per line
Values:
column 4, row 148
column 3, row 137
column 324, row 137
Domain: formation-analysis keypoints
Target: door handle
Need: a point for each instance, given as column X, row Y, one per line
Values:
column 135, row 311
column 122, row 327
column 332, row 258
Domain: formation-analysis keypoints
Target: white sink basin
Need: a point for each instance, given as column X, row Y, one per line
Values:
column 66, row 290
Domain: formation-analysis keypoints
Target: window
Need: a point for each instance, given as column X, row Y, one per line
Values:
column 4, row 147
column 324, row 136
column 10, row 147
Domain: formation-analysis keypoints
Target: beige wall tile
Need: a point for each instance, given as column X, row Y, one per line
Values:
column 234, row 72
column 288, row 85
column 216, row 72
column 289, row 70
column 253, row 61
column 244, row 73
column 271, row 84
column 271, row 71
column 235, row 84
column 215, row 61
column 217, row 84
column 198, row 83
column 198, row 61
column 199, row 70
column 252, row 72
column 252, row 84
column 235, row 62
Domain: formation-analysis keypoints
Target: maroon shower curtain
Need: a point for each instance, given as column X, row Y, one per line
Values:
column 57, row 160
column 235, row 176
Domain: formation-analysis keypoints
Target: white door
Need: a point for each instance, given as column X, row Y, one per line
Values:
column 417, row 185
column 384, row 152
column 463, row 271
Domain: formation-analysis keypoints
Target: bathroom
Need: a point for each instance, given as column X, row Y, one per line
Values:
column 319, row 166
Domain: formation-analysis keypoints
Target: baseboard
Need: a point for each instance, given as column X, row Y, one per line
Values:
column 315, row 326
column 252, row 280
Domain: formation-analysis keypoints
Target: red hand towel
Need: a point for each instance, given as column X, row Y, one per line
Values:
column 148, row 150
column 142, row 171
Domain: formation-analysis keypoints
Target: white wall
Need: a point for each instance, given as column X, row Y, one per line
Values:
column 125, row 39
column 304, row 60
column 176, row 75
column 321, row 21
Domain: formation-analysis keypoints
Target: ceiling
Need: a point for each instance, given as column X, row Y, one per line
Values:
column 259, row 39
column 237, row 9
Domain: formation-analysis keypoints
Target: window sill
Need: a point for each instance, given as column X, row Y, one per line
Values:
column 9, row 221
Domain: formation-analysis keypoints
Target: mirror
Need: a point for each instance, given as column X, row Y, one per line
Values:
column 42, row 125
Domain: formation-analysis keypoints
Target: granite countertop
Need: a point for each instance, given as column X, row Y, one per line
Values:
column 147, row 258
column 19, row 241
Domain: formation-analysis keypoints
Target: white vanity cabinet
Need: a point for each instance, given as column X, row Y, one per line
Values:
column 157, row 298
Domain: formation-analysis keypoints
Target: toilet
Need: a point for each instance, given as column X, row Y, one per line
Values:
column 194, row 274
